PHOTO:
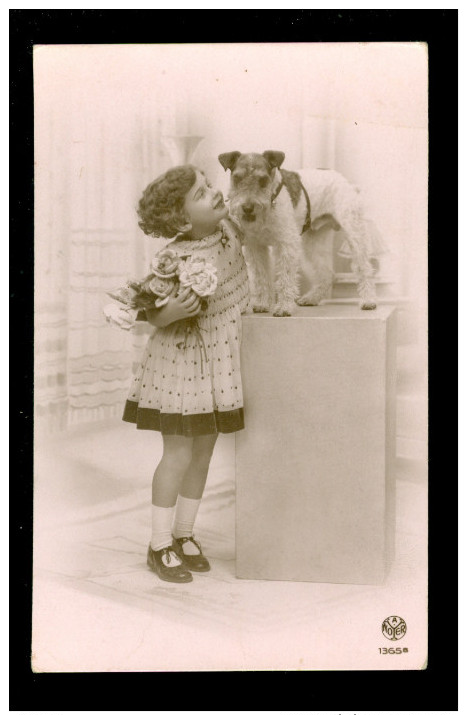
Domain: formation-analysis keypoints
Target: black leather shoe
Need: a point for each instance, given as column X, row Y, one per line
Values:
column 196, row 562
column 175, row 574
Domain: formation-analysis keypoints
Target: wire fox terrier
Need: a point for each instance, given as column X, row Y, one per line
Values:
column 284, row 209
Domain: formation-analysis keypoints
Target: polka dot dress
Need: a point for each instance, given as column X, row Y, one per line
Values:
column 189, row 381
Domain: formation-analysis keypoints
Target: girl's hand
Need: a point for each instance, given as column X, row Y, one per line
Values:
column 185, row 305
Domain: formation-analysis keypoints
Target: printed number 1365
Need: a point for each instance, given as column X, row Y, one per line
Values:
column 392, row 651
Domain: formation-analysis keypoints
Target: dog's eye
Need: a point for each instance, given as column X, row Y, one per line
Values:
column 263, row 181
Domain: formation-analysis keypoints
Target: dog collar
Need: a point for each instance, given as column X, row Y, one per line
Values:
column 307, row 224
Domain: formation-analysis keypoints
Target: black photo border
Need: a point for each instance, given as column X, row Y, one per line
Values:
column 434, row 688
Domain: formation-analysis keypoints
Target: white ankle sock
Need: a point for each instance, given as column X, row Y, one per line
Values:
column 185, row 515
column 162, row 519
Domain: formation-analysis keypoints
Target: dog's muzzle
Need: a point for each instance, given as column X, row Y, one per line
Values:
column 248, row 212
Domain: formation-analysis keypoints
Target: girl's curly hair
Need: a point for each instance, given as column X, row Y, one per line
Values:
column 160, row 208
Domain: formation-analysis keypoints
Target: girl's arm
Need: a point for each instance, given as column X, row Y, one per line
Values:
column 185, row 305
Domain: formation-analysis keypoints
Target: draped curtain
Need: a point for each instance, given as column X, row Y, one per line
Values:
column 93, row 157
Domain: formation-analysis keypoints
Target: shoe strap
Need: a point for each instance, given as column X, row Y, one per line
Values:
column 183, row 539
column 168, row 551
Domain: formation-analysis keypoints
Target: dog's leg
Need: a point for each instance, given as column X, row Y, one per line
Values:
column 287, row 257
column 315, row 267
column 257, row 260
column 354, row 227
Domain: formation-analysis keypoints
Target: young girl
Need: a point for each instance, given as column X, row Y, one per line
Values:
column 188, row 385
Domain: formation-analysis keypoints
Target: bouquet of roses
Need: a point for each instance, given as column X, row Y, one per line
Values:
column 169, row 273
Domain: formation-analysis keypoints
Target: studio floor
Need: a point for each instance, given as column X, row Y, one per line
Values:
column 98, row 608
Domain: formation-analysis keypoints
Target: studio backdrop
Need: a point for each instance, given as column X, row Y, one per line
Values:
column 110, row 118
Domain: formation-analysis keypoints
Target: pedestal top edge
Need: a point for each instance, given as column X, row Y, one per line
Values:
column 329, row 312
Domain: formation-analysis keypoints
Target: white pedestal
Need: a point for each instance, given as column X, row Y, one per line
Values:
column 315, row 463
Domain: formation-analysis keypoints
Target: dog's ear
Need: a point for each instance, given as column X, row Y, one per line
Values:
column 274, row 158
column 229, row 160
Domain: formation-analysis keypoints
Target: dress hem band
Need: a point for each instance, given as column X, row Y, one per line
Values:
column 186, row 425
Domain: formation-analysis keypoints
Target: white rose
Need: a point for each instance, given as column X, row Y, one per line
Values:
column 161, row 301
column 119, row 317
column 165, row 264
column 161, row 287
column 205, row 284
column 199, row 275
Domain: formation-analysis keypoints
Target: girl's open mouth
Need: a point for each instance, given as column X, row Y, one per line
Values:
column 219, row 203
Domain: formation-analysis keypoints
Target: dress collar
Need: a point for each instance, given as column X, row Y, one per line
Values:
column 207, row 241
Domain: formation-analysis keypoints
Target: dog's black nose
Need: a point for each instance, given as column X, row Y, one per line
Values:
column 248, row 208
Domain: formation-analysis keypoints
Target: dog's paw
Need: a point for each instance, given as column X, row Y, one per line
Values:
column 260, row 309
column 307, row 300
column 281, row 313
column 368, row 306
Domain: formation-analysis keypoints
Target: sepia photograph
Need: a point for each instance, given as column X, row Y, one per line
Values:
column 230, row 357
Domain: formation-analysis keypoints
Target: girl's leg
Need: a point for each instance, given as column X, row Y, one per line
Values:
column 176, row 458
column 194, row 479
column 166, row 483
column 192, row 489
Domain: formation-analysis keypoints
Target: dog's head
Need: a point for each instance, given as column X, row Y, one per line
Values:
column 251, row 184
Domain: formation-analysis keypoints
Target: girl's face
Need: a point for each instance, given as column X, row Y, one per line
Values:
column 204, row 206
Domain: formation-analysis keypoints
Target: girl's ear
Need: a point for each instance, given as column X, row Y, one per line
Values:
column 182, row 222
column 184, row 228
